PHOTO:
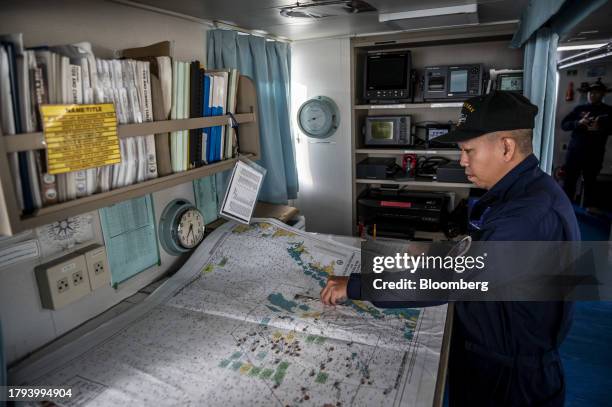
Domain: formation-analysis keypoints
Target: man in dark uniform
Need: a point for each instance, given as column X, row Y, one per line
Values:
column 590, row 125
column 502, row 353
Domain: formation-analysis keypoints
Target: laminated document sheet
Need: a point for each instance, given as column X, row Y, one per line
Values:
column 205, row 192
column 239, row 324
column 129, row 236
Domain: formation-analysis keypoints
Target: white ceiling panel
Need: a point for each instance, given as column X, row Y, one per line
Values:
column 265, row 15
column 595, row 27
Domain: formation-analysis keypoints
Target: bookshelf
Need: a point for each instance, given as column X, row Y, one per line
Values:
column 482, row 44
column 11, row 221
column 35, row 141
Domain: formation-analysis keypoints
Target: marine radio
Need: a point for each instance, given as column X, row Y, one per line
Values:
column 387, row 76
column 389, row 131
column 453, row 82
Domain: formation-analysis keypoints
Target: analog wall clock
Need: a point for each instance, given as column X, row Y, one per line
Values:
column 181, row 227
column 318, row 117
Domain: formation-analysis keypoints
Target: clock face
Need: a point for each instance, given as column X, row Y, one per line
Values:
column 181, row 227
column 318, row 117
column 190, row 229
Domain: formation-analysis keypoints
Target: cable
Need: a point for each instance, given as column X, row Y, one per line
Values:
column 427, row 166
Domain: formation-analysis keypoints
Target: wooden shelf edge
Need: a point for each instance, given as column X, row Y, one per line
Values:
column 92, row 202
column 35, row 141
column 434, row 184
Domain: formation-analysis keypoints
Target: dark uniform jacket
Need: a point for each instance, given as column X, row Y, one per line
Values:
column 591, row 144
column 506, row 353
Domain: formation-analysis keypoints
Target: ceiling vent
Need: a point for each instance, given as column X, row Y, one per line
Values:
column 322, row 8
column 431, row 18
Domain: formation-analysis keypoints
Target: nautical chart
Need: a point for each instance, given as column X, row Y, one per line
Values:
column 240, row 324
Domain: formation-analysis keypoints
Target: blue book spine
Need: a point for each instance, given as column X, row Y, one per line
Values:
column 206, row 113
column 211, row 136
column 218, row 112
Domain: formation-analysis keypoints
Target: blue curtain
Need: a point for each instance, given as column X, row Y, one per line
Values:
column 540, row 86
column 268, row 63
column 542, row 24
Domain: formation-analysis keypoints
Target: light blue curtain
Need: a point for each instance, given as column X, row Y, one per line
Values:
column 268, row 63
column 540, row 86
column 542, row 24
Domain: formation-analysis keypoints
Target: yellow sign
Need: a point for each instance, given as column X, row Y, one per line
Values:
column 79, row 137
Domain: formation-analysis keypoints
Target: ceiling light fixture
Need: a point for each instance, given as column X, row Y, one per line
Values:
column 325, row 8
column 579, row 47
column 431, row 12
column 587, row 56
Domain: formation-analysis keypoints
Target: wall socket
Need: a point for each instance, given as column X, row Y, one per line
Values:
column 62, row 281
column 71, row 277
column 97, row 266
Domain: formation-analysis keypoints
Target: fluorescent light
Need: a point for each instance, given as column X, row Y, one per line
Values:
column 431, row 12
column 585, row 54
column 582, row 61
column 578, row 47
column 605, row 50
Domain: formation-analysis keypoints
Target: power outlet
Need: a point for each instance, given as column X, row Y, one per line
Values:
column 77, row 277
column 62, row 284
column 97, row 266
column 62, row 281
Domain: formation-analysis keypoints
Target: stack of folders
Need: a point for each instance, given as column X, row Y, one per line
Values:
column 127, row 84
column 21, row 88
column 70, row 74
column 159, row 59
column 146, row 85
column 29, row 78
column 201, row 93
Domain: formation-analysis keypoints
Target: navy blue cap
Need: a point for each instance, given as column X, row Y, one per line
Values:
column 497, row 111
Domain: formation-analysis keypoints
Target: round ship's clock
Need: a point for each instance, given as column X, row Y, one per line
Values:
column 318, row 117
column 181, row 227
